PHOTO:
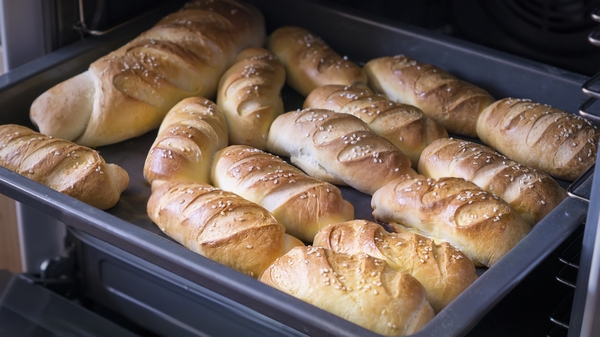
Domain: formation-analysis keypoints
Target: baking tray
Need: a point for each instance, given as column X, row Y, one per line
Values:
column 359, row 37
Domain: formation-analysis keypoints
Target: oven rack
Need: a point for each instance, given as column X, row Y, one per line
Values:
column 566, row 275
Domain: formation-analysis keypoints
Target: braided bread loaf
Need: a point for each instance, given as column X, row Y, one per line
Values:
column 303, row 204
column 129, row 91
column 403, row 125
column 74, row 170
column 188, row 138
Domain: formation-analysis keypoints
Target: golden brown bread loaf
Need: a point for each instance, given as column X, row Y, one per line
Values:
column 219, row 225
column 359, row 288
column 477, row 222
column 443, row 270
column 338, row 148
column 539, row 136
column 192, row 131
column 128, row 92
column 310, row 62
column 403, row 125
column 250, row 96
column 454, row 103
column 531, row 192
column 301, row 203
column 74, row 170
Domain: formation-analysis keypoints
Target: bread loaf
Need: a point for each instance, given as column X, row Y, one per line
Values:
column 192, row 131
column 338, row 148
column 301, row 203
column 539, row 136
column 77, row 171
column 531, row 192
column 477, row 222
column 403, row 125
column 443, row 270
column 250, row 96
column 310, row 62
column 453, row 103
column 128, row 92
column 359, row 288
column 219, row 225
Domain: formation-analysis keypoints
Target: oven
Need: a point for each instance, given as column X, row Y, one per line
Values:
column 92, row 272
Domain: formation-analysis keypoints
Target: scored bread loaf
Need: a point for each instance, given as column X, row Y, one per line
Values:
column 77, row 171
column 477, row 222
column 443, row 270
column 531, row 192
column 454, row 103
column 540, row 136
column 128, row 92
column 310, row 62
column 219, row 225
column 403, row 125
column 192, row 131
column 359, row 288
column 301, row 203
column 338, row 148
column 250, row 96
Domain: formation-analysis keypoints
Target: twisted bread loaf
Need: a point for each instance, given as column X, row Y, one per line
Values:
column 443, row 270
column 359, row 288
column 532, row 193
column 403, row 125
column 453, row 103
column 193, row 130
column 74, row 170
column 301, row 203
column 249, row 95
column 128, row 92
column 338, row 148
column 477, row 222
column 219, row 225
column 539, row 136
column 310, row 62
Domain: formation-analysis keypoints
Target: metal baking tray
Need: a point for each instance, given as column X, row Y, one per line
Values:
column 359, row 37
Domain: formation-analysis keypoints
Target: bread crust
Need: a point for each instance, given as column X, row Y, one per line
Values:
column 219, row 225
column 532, row 193
column 301, row 203
column 359, row 288
column 187, row 140
column 250, row 96
column 477, row 222
column 129, row 91
column 338, row 148
column 405, row 126
column 443, row 270
column 540, row 136
column 77, row 171
column 446, row 99
column 310, row 62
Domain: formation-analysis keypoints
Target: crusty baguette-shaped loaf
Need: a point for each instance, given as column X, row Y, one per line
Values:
column 539, row 136
column 443, row 270
column 129, row 91
column 219, row 225
column 310, row 62
column 454, row 103
column 192, row 131
column 74, row 170
column 359, row 288
column 301, row 203
column 338, row 148
column 250, row 96
column 405, row 126
column 477, row 222
column 531, row 192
